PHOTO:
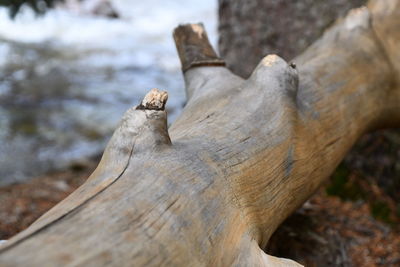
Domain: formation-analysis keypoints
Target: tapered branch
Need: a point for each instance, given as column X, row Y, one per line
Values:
column 201, row 66
column 194, row 48
column 244, row 154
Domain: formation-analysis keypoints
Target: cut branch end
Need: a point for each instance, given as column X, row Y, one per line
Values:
column 194, row 48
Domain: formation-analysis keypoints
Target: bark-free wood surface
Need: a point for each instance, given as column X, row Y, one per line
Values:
column 243, row 155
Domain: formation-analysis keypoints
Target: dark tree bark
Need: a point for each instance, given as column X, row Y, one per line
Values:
column 251, row 29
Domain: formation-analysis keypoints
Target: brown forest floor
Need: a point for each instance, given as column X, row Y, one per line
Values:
column 355, row 219
column 336, row 229
column 21, row 204
column 327, row 231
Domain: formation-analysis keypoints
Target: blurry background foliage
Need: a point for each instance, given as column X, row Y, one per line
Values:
column 39, row 6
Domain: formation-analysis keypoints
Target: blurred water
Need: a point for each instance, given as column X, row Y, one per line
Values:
column 66, row 79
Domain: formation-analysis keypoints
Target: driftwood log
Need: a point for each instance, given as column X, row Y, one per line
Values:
column 243, row 155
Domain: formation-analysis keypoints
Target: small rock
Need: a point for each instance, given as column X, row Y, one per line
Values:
column 61, row 185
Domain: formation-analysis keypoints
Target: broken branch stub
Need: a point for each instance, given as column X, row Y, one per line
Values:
column 140, row 130
column 154, row 100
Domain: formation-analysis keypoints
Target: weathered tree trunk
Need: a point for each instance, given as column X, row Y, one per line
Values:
column 243, row 155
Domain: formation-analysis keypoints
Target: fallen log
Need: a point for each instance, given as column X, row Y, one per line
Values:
column 243, row 155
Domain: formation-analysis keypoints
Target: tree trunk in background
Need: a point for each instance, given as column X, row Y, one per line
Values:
column 251, row 29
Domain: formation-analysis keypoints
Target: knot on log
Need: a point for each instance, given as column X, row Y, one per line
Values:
column 277, row 74
column 358, row 18
column 154, row 100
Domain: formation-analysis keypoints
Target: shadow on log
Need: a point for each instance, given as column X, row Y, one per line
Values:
column 243, row 155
